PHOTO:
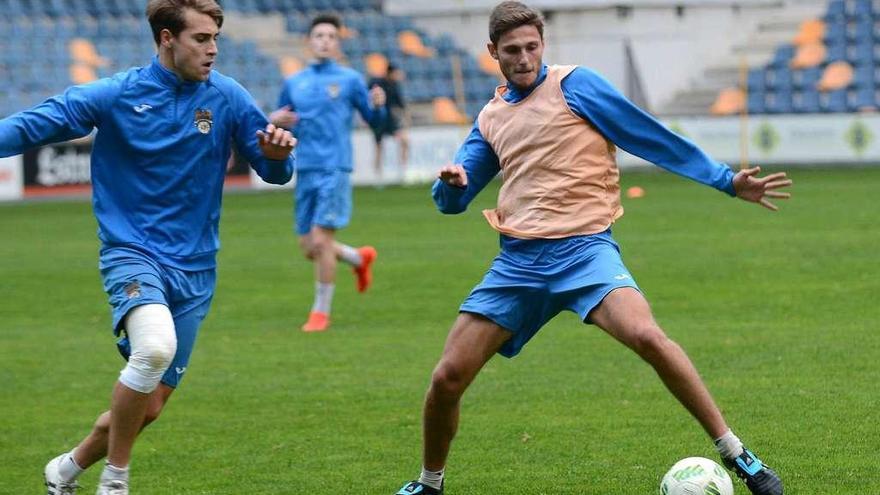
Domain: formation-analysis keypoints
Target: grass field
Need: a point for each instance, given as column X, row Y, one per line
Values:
column 778, row 311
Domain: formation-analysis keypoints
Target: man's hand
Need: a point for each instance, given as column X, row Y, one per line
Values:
column 750, row 187
column 454, row 175
column 377, row 97
column 284, row 117
column 276, row 143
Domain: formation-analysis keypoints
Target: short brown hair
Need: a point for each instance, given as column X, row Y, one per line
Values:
column 510, row 15
column 327, row 18
column 169, row 14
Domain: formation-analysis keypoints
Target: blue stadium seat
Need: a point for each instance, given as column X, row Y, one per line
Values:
column 807, row 78
column 783, row 56
column 806, row 101
column 834, row 101
column 756, row 102
column 779, row 102
column 836, row 52
column 866, row 99
column 779, row 78
column 836, row 10
column 836, row 32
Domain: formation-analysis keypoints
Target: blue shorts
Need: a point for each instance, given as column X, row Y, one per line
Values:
column 531, row 281
column 323, row 198
column 132, row 278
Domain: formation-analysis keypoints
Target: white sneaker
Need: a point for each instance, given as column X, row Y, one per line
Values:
column 112, row 487
column 54, row 483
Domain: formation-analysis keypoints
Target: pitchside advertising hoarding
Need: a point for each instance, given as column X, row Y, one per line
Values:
column 790, row 141
column 10, row 178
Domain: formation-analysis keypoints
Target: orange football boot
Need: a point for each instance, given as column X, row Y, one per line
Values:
column 364, row 273
column 318, row 322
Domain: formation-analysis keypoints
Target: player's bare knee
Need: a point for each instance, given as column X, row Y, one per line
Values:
column 305, row 245
column 650, row 341
column 447, row 381
column 152, row 414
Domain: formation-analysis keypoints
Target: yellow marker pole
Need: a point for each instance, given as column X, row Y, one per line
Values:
column 744, row 114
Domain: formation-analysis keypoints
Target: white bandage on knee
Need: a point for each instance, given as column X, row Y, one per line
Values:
column 150, row 330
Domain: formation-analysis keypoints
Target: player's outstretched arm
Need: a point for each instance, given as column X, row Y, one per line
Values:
column 750, row 187
column 276, row 143
column 475, row 166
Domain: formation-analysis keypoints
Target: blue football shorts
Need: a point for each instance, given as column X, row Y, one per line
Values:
column 533, row 280
column 132, row 278
column 323, row 198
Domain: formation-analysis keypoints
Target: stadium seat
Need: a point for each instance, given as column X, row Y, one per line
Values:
column 376, row 64
column 289, row 65
column 866, row 99
column 835, row 101
column 411, row 44
column 806, row 101
column 810, row 31
column 446, row 112
column 807, row 78
column 837, row 75
column 780, row 102
column 488, row 64
column 730, row 101
column 808, row 55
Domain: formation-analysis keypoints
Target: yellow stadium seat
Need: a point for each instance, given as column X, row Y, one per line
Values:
column 811, row 31
column 348, row 33
column 83, row 51
column 489, row 65
column 411, row 44
column 376, row 64
column 289, row 65
column 82, row 73
column 445, row 112
column 837, row 75
column 730, row 101
column 808, row 55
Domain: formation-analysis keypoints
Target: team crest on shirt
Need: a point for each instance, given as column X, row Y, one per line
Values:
column 333, row 90
column 204, row 120
column 133, row 289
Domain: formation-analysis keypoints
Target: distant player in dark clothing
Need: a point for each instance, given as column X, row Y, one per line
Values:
column 398, row 117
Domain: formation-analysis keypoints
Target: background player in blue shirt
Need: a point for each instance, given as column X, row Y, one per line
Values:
column 164, row 136
column 318, row 104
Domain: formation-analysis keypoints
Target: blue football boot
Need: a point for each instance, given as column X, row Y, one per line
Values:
column 416, row 488
column 758, row 477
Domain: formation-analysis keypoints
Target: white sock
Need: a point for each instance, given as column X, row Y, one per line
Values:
column 112, row 472
column 323, row 297
column 729, row 445
column 434, row 479
column 68, row 469
column 350, row 255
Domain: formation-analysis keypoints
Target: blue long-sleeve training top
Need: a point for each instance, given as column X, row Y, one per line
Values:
column 159, row 156
column 324, row 96
column 594, row 99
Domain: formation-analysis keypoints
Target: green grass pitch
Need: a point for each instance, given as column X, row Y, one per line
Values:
column 778, row 311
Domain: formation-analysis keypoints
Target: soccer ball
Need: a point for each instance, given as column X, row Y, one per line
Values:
column 696, row 476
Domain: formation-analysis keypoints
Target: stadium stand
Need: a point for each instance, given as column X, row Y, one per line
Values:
column 830, row 66
column 47, row 45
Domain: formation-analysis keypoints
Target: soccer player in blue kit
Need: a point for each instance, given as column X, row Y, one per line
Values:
column 552, row 132
column 318, row 104
column 165, row 132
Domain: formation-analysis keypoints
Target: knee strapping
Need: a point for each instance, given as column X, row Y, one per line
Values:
column 150, row 330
